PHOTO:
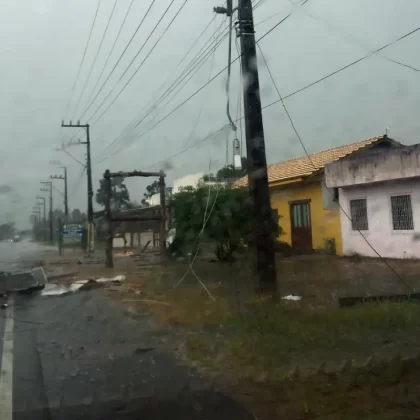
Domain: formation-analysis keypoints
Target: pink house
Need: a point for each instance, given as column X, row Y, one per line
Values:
column 379, row 196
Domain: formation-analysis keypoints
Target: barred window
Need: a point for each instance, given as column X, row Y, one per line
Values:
column 402, row 213
column 358, row 211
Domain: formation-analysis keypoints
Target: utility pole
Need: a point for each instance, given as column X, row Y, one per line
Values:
column 64, row 178
column 49, row 183
column 36, row 211
column 90, row 241
column 45, row 215
column 255, row 147
column 36, row 215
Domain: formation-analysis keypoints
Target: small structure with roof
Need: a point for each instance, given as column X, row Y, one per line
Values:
column 378, row 194
column 309, row 211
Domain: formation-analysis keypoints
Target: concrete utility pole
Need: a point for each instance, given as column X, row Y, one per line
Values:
column 45, row 215
column 36, row 211
column 64, row 178
column 255, row 147
column 36, row 216
column 49, row 183
column 90, row 236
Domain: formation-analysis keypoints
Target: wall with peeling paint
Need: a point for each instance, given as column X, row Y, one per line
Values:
column 374, row 165
column 380, row 234
column 325, row 222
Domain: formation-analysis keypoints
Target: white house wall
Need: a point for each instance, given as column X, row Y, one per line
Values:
column 380, row 234
column 191, row 180
column 154, row 200
column 374, row 165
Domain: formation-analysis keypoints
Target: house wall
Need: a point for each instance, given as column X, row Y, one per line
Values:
column 374, row 165
column 139, row 240
column 154, row 200
column 325, row 223
column 191, row 180
column 380, row 234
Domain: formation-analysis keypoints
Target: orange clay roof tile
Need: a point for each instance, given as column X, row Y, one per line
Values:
column 305, row 166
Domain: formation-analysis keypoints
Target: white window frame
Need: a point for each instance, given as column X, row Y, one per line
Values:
column 401, row 231
column 356, row 231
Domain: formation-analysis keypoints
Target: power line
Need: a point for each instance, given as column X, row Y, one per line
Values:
column 201, row 88
column 312, row 163
column 344, row 68
column 76, row 183
column 76, row 160
column 292, row 94
column 141, row 64
column 132, row 61
column 169, row 114
column 96, row 55
column 239, row 110
column 195, row 93
column 200, row 57
column 191, row 73
column 57, row 190
column 346, row 35
column 198, row 64
column 83, row 59
column 287, row 96
column 201, row 106
column 205, row 54
column 213, row 78
column 274, row 27
column 109, row 55
column 121, row 56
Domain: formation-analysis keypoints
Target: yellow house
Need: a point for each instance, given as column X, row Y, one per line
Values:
column 309, row 211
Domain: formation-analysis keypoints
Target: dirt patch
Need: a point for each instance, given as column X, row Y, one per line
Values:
column 281, row 358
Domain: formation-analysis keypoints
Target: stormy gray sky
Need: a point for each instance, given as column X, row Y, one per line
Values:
column 42, row 44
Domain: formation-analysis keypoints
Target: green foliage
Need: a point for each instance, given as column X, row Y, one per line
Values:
column 227, row 211
column 229, row 172
column 153, row 189
column 120, row 195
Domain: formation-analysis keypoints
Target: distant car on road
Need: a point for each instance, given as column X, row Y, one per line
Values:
column 17, row 238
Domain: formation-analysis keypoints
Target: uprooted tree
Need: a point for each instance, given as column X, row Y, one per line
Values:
column 220, row 214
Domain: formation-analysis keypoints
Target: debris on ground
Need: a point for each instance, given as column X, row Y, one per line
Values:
column 24, row 281
column 122, row 254
column 292, row 297
column 61, row 289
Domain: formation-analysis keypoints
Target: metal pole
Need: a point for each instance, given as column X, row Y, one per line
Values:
column 255, row 145
column 90, row 192
column 162, row 233
column 45, row 217
column 66, row 199
column 90, row 239
column 60, row 243
column 49, row 183
column 109, row 239
column 51, row 216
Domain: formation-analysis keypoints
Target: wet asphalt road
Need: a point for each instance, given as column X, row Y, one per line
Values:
column 80, row 356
